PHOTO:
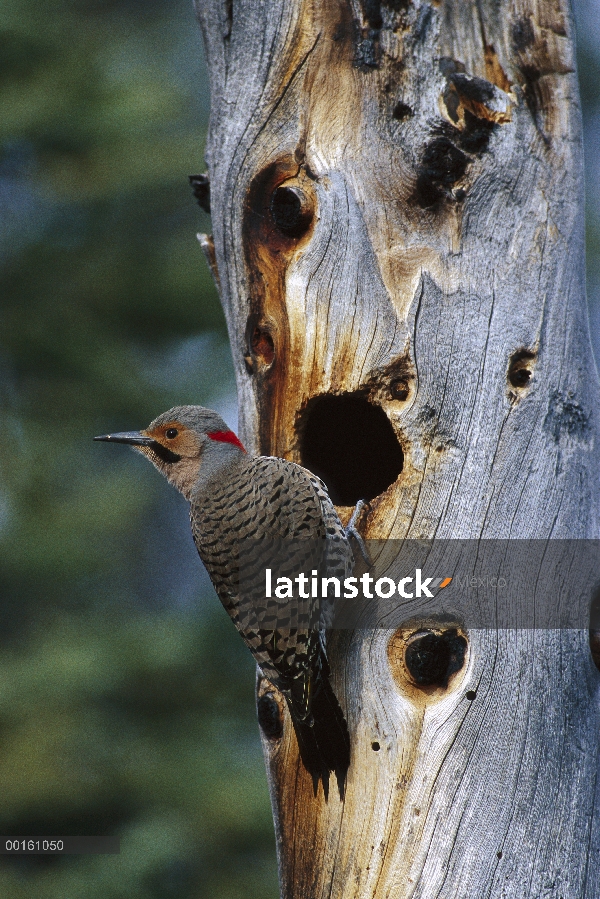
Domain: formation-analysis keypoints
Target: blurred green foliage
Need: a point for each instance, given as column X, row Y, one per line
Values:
column 126, row 697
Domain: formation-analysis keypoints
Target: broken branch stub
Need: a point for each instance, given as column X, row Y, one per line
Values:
column 397, row 204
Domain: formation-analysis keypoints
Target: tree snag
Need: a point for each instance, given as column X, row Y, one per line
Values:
column 397, row 205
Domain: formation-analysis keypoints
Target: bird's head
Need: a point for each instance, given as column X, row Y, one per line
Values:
column 183, row 443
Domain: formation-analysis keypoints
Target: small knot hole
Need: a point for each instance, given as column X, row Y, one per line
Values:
column 433, row 658
column 399, row 389
column 520, row 369
column 270, row 718
column 402, row 111
column 291, row 210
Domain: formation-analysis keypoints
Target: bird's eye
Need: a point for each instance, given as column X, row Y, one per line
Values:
column 171, row 433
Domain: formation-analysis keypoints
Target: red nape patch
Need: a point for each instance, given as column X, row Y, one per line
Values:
column 226, row 437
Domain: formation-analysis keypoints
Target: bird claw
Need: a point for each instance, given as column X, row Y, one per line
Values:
column 351, row 531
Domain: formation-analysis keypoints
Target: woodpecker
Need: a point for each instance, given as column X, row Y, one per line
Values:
column 238, row 500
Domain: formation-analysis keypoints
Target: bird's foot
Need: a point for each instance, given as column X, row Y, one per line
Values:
column 352, row 531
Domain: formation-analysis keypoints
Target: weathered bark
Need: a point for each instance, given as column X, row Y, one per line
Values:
column 437, row 258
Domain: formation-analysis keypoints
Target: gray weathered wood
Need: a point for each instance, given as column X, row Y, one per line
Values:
column 444, row 277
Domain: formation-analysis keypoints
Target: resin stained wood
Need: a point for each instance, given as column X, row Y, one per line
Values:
column 397, row 204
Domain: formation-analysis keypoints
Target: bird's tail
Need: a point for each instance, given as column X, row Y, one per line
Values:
column 323, row 737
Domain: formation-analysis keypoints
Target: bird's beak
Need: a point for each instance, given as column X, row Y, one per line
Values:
column 135, row 438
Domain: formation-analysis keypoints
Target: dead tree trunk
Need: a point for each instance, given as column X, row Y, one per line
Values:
column 397, row 205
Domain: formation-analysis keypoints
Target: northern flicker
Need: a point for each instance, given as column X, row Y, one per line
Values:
column 239, row 501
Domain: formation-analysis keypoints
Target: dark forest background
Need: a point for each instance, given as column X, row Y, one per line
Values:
column 126, row 697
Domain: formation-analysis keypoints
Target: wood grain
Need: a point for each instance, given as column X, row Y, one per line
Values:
column 438, row 146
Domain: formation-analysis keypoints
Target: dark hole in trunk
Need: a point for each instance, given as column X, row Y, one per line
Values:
column 433, row 658
column 350, row 444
